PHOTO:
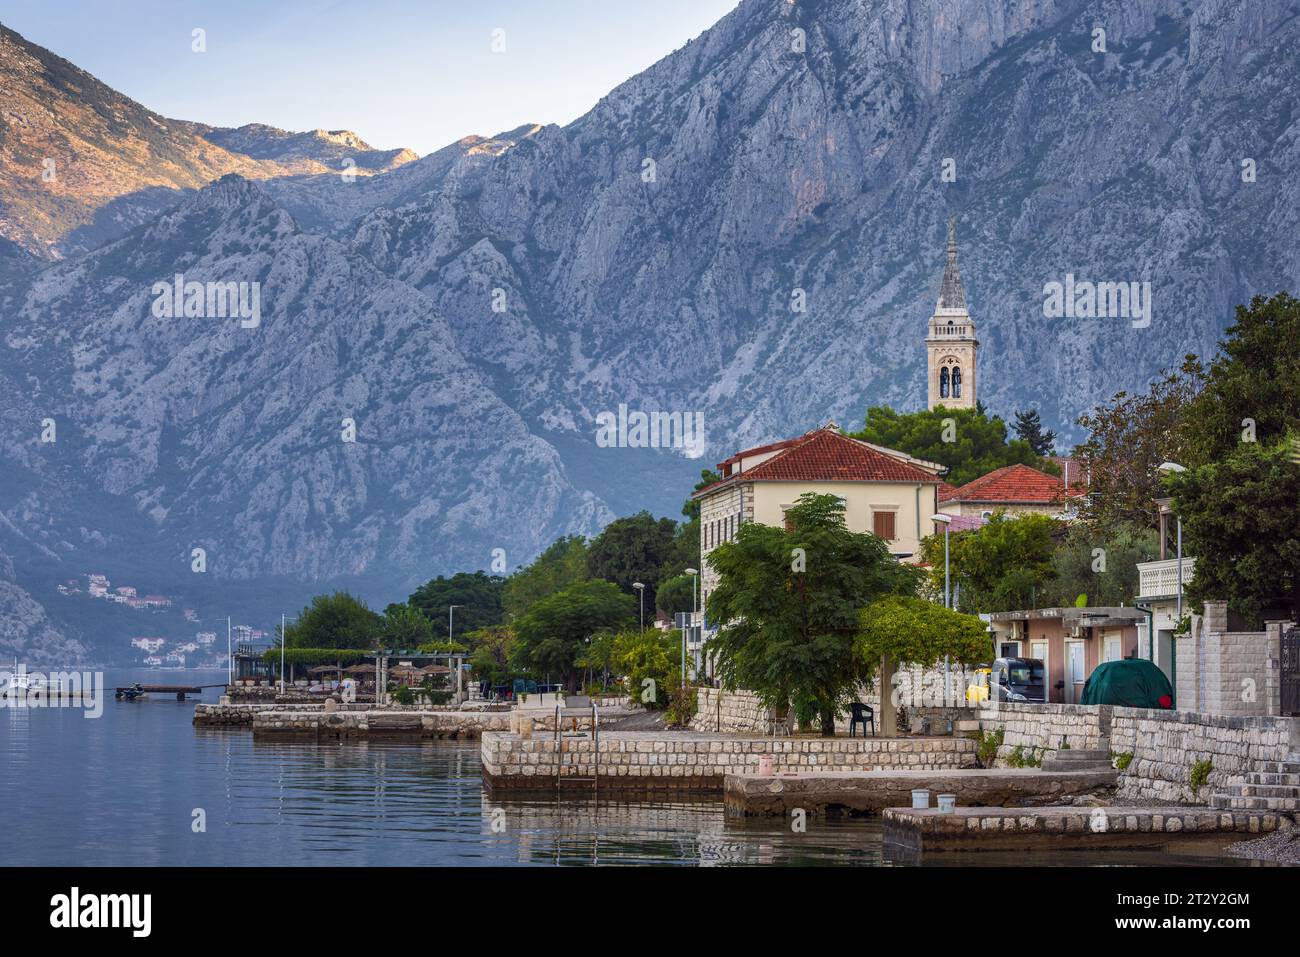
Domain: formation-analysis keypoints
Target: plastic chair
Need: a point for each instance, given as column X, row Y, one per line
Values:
column 863, row 714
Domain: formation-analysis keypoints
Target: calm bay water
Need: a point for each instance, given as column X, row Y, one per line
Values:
column 122, row 790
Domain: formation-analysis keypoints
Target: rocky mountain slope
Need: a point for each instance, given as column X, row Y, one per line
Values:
column 475, row 310
column 80, row 164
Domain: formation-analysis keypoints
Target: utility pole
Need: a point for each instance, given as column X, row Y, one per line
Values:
column 230, row 658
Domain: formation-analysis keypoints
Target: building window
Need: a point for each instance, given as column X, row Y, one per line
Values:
column 943, row 383
column 956, row 382
column 882, row 523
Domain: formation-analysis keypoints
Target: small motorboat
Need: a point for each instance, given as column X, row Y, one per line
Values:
column 133, row 693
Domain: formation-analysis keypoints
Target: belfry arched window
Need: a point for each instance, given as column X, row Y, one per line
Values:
column 943, row 383
column 956, row 382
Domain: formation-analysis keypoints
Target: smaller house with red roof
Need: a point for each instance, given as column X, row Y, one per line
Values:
column 1014, row 489
column 885, row 492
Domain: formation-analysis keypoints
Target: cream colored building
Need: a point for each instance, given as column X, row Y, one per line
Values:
column 950, row 345
column 885, row 492
column 1014, row 489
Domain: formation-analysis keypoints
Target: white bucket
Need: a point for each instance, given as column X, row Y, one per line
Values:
column 920, row 797
column 947, row 803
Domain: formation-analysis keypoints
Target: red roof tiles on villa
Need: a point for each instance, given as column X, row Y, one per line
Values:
column 825, row 455
column 1011, row 484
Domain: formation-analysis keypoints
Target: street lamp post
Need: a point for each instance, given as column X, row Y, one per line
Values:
column 695, row 577
column 283, row 642
column 640, row 591
column 1171, row 468
column 451, row 621
column 945, row 521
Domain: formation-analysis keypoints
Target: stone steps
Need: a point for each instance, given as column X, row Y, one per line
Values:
column 1262, row 777
column 1077, row 759
column 1264, row 790
column 1237, row 803
column 1289, row 766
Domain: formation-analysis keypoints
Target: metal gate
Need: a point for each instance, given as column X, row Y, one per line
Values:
column 1290, row 668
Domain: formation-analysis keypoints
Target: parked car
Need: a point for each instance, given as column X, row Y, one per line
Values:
column 1018, row 679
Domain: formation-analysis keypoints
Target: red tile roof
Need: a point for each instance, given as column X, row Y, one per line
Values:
column 1011, row 484
column 825, row 455
column 757, row 450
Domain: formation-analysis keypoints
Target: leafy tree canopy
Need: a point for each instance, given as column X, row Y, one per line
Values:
column 789, row 599
column 910, row 630
column 677, row 594
column 970, row 444
column 477, row 595
column 1101, row 567
column 1240, row 516
column 563, row 564
column 491, row 659
column 1127, row 440
column 1004, row 565
column 632, row 549
column 1252, row 390
column 405, row 627
column 339, row 620
column 553, row 633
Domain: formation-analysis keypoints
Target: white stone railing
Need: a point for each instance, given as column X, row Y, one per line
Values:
column 1161, row 578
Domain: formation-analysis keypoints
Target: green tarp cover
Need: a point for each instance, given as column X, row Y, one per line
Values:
column 1131, row 683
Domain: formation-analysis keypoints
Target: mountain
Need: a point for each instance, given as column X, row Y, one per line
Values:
column 80, row 164
column 476, row 310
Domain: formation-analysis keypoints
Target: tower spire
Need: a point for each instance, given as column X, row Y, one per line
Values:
column 952, row 295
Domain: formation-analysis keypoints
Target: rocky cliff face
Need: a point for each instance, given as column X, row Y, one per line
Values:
column 474, row 311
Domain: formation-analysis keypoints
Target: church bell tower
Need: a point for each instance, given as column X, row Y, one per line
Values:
column 950, row 345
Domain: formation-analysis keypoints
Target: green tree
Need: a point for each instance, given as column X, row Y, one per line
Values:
column 491, row 658
column 1127, row 440
column 1240, row 516
column 339, row 620
column 677, row 594
column 1005, row 565
column 1252, row 390
column 553, row 633
column 970, row 445
column 790, row 600
column 1101, row 567
column 633, row 549
column 477, row 596
column 405, row 627
column 691, row 507
column 564, row 563
column 905, row 630
column 651, row 664
column 1029, row 426
column 600, row 657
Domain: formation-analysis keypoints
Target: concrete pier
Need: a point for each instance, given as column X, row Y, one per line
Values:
column 1071, row 828
column 860, row 792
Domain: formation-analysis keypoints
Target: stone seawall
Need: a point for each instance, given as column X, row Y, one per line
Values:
column 413, row 722
column 1165, row 745
column 654, row 760
column 241, row 714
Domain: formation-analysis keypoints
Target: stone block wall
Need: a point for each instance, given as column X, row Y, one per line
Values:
column 1166, row 745
column 1228, row 672
column 729, row 712
column 649, row 760
column 1045, row 726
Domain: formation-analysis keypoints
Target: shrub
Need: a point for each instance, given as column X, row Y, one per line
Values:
column 1200, row 774
column 1122, row 761
column 989, row 744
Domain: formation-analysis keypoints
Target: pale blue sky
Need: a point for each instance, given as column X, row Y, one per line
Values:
column 416, row 73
